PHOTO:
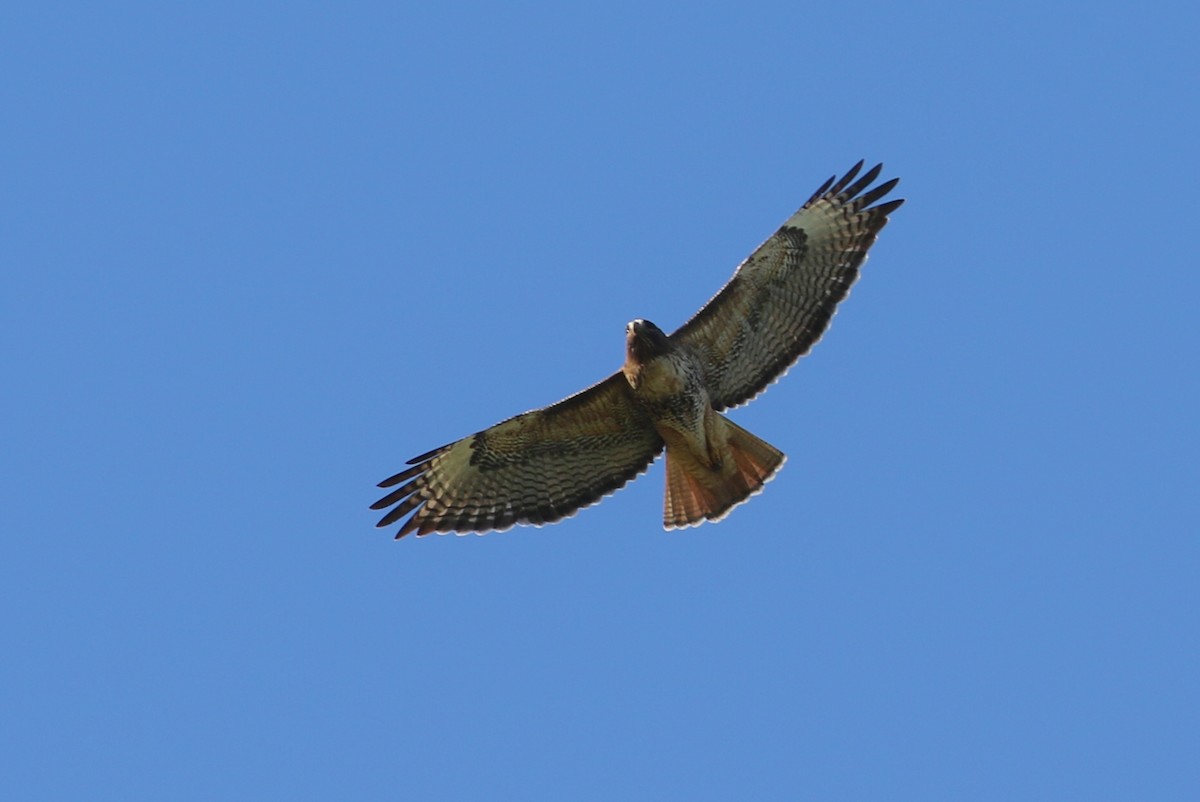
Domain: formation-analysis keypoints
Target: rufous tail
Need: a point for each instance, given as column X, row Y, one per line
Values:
column 698, row 492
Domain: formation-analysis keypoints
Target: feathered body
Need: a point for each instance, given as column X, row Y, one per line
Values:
column 712, row 464
column 545, row 464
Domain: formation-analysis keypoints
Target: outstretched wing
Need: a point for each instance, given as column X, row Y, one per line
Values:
column 534, row 468
column 780, row 300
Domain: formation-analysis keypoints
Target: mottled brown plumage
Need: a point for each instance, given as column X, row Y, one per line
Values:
column 546, row 464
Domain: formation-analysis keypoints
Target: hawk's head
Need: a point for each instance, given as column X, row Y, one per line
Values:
column 644, row 341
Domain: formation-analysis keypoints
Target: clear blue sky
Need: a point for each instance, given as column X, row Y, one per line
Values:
column 255, row 256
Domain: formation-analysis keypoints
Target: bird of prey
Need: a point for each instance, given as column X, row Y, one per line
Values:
column 546, row 464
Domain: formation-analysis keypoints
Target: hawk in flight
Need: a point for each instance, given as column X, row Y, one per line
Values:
column 544, row 465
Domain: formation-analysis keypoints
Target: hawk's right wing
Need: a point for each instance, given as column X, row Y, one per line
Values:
column 535, row 468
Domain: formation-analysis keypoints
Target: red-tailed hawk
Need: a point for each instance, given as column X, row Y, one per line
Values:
column 546, row 464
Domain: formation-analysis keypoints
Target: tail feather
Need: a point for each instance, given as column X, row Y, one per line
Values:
column 698, row 492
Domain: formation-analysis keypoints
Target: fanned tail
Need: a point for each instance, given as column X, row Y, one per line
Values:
column 697, row 492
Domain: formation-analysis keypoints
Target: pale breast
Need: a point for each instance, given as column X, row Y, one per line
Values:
column 671, row 389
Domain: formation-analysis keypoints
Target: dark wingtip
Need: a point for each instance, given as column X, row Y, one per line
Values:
column 428, row 455
column 879, row 191
column 872, row 174
column 404, row 475
column 821, row 190
column 845, row 180
column 390, row 518
column 884, row 209
column 850, row 190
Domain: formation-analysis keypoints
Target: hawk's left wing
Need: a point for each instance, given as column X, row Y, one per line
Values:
column 534, row 468
column 781, row 299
